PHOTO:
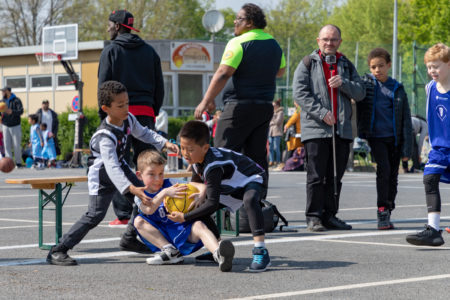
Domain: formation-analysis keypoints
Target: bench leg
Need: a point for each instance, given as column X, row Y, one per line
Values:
column 58, row 213
column 41, row 210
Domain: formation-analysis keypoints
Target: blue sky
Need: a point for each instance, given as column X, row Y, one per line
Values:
column 237, row 4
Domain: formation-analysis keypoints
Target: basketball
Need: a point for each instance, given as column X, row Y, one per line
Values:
column 181, row 204
column 7, row 165
column 2, row 106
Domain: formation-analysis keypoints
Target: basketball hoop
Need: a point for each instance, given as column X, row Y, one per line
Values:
column 45, row 61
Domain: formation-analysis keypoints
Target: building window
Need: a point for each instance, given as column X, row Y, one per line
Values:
column 64, row 82
column 16, row 82
column 41, row 82
column 168, row 91
column 190, row 90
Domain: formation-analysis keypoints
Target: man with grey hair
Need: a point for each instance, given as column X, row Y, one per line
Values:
column 324, row 76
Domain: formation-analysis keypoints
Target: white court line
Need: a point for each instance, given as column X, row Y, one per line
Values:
column 36, row 207
column 399, row 186
column 364, row 208
column 346, row 287
column 384, row 244
column 34, row 195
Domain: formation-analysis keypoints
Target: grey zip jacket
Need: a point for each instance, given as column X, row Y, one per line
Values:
column 311, row 93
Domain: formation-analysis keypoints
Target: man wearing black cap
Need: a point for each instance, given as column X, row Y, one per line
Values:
column 131, row 61
column 12, row 131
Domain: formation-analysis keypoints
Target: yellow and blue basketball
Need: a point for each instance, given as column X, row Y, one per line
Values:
column 182, row 203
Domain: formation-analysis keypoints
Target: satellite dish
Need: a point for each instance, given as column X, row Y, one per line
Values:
column 213, row 21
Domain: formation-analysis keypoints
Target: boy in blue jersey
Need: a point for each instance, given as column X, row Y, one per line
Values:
column 174, row 239
column 231, row 179
column 437, row 60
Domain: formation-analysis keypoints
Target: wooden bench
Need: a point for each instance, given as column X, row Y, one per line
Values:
column 55, row 184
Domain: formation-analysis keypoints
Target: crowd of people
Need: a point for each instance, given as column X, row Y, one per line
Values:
column 234, row 172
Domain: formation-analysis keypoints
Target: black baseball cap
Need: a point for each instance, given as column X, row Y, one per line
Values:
column 123, row 18
column 6, row 88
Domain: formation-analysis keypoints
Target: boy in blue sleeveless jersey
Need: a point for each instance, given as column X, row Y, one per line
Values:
column 159, row 233
column 231, row 179
column 108, row 172
column 36, row 141
column 437, row 60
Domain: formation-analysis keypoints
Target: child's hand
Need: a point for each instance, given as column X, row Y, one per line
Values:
column 172, row 147
column 199, row 199
column 176, row 191
column 139, row 192
column 42, row 144
column 176, row 216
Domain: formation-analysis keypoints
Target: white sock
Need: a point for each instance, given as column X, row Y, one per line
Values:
column 260, row 245
column 433, row 220
column 169, row 247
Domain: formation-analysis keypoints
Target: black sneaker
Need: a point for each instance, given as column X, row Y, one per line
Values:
column 261, row 260
column 427, row 237
column 384, row 219
column 60, row 258
column 315, row 225
column 206, row 257
column 224, row 255
column 132, row 244
column 336, row 223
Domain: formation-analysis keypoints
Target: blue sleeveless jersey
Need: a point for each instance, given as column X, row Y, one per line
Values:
column 438, row 116
column 175, row 233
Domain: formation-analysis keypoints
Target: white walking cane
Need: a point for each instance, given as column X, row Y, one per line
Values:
column 330, row 60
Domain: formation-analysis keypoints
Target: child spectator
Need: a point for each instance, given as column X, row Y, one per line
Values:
column 437, row 60
column 384, row 119
column 293, row 136
column 275, row 133
column 173, row 239
column 36, row 141
column 297, row 161
column 49, row 150
column 108, row 172
column 231, row 179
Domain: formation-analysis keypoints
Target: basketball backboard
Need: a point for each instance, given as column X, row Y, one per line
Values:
column 60, row 42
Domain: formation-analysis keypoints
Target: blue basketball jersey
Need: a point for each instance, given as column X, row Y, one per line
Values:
column 438, row 116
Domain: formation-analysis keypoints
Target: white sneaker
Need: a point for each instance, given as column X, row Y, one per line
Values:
column 167, row 256
column 224, row 255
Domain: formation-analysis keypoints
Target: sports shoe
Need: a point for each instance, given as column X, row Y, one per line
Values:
column 336, row 223
column 206, row 257
column 168, row 256
column 60, row 258
column 261, row 260
column 384, row 219
column 128, row 243
column 427, row 237
column 315, row 225
column 119, row 223
column 224, row 255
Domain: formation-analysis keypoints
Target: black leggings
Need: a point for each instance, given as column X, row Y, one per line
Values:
column 432, row 195
column 252, row 205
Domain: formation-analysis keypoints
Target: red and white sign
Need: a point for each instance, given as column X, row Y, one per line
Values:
column 191, row 56
column 76, row 104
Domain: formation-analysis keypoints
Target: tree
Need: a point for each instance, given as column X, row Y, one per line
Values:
column 23, row 20
column 425, row 21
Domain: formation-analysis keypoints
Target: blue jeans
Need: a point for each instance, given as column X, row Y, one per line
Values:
column 274, row 146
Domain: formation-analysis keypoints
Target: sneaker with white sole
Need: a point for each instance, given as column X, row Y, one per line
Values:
column 168, row 256
column 224, row 255
column 427, row 237
column 261, row 260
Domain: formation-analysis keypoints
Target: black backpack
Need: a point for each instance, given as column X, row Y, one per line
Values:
column 271, row 218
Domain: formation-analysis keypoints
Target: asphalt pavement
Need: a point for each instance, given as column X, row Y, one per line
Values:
column 363, row 263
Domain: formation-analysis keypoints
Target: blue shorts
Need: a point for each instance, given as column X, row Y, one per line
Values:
column 439, row 163
column 175, row 233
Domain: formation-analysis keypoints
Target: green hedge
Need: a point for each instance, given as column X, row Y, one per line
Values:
column 66, row 129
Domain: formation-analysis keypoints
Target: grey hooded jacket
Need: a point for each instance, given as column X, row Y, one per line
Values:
column 311, row 93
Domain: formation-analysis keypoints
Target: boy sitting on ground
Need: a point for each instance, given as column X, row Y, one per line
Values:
column 173, row 239
column 108, row 171
column 231, row 179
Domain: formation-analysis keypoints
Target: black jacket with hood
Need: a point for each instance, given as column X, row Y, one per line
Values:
column 131, row 61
